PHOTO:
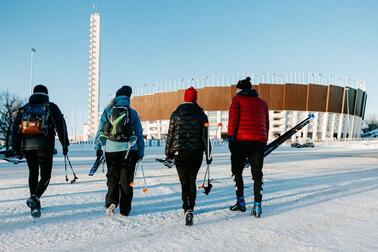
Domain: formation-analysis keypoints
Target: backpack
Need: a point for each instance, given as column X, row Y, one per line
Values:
column 34, row 119
column 119, row 126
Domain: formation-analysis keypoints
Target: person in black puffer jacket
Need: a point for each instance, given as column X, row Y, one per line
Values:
column 187, row 140
column 38, row 147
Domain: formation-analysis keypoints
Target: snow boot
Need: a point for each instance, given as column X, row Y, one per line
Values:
column 189, row 217
column 239, row 205
column 33, row 202
column 110, row 210
column 35, row 206
column 256, row 211
column 35, row 212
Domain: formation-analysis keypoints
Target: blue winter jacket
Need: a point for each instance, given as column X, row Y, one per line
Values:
column 123, row 101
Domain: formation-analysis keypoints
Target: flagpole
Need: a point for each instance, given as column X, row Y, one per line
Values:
column 31, row 70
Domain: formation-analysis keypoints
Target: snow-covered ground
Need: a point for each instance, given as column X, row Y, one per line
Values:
column 321, row 199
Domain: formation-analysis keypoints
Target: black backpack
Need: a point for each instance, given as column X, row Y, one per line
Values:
column 119, row 126
column 35, row 119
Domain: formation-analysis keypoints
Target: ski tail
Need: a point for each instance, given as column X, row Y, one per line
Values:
column 165, row 162
column 276, row 143
column 96, row 165
column 9, row 156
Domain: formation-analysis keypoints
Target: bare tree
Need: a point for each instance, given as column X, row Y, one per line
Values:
column 9, row 105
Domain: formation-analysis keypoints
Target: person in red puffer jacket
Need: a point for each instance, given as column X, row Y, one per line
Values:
column 248, row 129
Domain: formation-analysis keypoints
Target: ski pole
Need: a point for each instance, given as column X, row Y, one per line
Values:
column 135, row 173
column 145, row 189
column 65, row 167
column 73, row 172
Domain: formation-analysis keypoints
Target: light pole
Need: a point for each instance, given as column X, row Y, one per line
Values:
column 31, row 70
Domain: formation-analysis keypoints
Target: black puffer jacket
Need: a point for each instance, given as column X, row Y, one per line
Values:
column 188, row 129
column 56, row 123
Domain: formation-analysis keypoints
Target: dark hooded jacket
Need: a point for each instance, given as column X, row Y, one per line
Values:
column 188, row 130
column 56, row 123
column 248, row 117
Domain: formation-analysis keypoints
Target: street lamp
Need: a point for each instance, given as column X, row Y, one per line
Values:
column 31, row 70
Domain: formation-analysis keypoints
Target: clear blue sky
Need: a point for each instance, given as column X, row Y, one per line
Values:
column 146, row 41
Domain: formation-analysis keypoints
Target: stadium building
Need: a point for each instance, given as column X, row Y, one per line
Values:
column 338, row 110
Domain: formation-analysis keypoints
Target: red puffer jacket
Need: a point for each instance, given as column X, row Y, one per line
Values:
column 248, row 117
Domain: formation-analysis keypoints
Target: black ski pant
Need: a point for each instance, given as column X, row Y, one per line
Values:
column 119, row 176
column 39, row 160
column 188, row 164
column 254, row 151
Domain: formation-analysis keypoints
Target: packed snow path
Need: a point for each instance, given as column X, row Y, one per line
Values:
column 321, row 199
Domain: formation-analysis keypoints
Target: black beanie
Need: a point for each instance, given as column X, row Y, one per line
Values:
column 125, row 90
column 244, row 84
column 40, row 89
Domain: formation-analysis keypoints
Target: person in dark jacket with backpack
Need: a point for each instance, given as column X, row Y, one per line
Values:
column 33, row 134
column 248, row 129
column 118, row 125
column 187, row 139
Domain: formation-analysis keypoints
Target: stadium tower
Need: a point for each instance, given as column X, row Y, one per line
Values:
column 94, row 75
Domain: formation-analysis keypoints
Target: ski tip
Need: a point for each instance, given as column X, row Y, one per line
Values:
column 145, row 190
column 311, row 116
column 131, row 184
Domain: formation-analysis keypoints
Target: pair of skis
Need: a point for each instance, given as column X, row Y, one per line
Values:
column 269, row 148
column 9, row 156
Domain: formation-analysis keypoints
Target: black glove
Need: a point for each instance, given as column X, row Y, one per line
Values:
column 170, row 156
column 17, row 154
column 99, row 153
column 10, row 153
column 231, row 143
column 140, row 158
column 65, row 151
column 209, row 160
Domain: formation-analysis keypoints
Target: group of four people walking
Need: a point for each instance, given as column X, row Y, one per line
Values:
column 187, row 140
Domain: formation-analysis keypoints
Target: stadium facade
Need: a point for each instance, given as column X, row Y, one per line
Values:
column 339, row 111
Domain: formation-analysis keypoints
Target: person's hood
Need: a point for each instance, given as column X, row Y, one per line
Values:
column 188, row 108
column 122, row 100
column 249, row 92
column 38, row 98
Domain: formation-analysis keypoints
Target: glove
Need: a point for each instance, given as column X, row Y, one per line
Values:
column 231, row 143
column 99, row 153
column 140, row 158
column 65, row 151
column 209, row 160
column 10, row 153
column 169, row 157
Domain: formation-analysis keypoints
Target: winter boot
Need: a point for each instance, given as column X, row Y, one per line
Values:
column 33, row 202
column 189, row 217
column 239, row 205
column 110, row 210
column 35, row 206
column 256, row 211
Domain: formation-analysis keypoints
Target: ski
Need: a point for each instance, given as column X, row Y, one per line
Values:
column 8, row 156
column 96, row 164
column 276, row 143
column 268, row 149
column 167, row 162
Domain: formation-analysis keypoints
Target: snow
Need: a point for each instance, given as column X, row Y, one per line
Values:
column 320, row 199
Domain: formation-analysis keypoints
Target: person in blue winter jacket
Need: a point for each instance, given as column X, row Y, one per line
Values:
column 118, row 125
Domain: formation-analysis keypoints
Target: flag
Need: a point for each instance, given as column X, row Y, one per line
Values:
column 33, row 50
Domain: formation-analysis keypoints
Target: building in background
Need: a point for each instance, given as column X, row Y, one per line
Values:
column 338, row 110
column 94, row 78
